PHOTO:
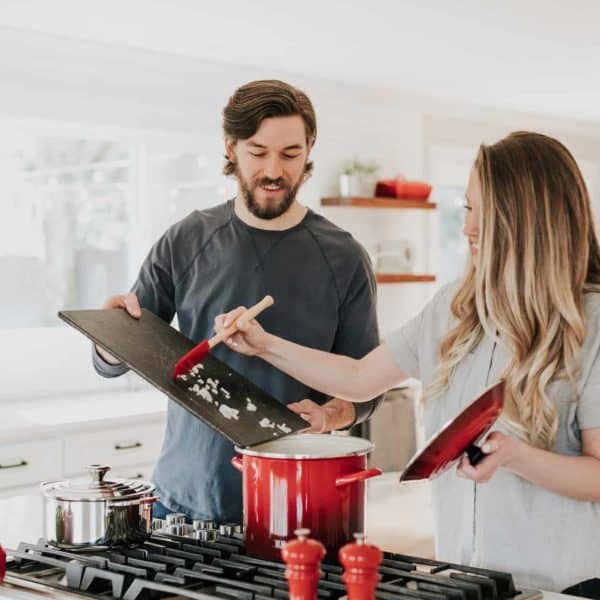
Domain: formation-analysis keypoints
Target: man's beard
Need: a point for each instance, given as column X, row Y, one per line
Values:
column 271, row 210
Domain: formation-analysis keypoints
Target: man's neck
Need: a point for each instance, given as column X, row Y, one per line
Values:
column 291, row 217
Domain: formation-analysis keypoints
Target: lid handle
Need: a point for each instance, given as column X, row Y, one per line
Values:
column 97, row 473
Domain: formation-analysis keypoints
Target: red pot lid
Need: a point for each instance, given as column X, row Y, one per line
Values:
column 452, row 441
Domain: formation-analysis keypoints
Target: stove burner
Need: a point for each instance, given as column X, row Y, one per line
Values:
column 174, row 566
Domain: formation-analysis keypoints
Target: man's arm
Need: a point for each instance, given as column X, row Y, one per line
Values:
column 357, row 335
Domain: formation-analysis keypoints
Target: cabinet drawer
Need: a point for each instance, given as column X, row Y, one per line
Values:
column 134, row 472
column 116, row 447
column 24, row 463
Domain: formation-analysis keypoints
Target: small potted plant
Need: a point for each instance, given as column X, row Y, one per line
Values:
column 358, row 178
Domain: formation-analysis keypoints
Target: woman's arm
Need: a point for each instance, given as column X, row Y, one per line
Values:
column 358, row 380
column 577, row 477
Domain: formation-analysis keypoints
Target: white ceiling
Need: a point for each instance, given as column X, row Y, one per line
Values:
column 535, row 55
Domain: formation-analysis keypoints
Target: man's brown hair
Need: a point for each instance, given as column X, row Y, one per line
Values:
column 259, row 100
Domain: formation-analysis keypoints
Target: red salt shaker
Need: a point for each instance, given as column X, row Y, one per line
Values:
column 360, row 561
column 303, row 558
column 2, row 564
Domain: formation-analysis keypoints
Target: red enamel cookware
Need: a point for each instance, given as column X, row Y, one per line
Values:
column 457, row 437
column 312, row 481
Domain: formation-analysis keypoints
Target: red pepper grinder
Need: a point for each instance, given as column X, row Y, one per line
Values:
column 303, row 558
column 360, row 561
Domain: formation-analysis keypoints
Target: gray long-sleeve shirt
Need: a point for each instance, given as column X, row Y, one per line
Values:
column 211, row 262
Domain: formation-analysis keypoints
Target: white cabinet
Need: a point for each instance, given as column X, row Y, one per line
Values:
column 118, row 447
column 25, row 463
column 57, row 438
column 134, row 472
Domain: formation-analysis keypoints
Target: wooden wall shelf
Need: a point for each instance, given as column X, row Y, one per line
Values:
column 374, row 202
column 403, row 278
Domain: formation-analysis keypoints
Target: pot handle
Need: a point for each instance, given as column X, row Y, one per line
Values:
column 238, row 463
column 358, row 476
column 148, row 500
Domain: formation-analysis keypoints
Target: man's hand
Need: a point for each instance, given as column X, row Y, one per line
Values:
column 501, row 450
column 130, row 303
column 333, row 415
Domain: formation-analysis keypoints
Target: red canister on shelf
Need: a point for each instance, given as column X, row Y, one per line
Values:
column 303, row 557
column 360, row 561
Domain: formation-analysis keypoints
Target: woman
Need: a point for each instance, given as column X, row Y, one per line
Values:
column 526, row 311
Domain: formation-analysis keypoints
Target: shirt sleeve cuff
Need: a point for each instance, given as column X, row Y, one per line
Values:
column 364, row 411
column 104, row 368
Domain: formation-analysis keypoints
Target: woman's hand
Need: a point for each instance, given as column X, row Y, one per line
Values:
column 251, row 339
column 501, row 451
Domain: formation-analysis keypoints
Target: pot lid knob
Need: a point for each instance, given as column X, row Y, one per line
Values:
column 360, row 561
column 97, row 473
column 303, row 558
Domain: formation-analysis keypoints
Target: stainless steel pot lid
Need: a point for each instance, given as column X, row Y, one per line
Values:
column 310, row 446
column 96, row 489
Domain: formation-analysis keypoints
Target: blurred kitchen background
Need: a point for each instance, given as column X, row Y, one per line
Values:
column 110, row 117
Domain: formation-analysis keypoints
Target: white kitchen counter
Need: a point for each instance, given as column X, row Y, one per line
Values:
column 26, row 419
column 399, row 516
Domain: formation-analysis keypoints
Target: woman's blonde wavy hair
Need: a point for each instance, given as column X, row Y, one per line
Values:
column 538, row 254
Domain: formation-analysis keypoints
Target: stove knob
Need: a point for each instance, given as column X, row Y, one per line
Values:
column 179, row 529
column 303, row 557
column 360, row 561
column 205, row 535
column 203, row 524
column 227, row 529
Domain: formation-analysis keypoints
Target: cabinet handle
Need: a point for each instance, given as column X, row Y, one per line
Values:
column 136, row 445
column 23, row 463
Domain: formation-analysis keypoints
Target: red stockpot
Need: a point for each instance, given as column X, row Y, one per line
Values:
column 313, row 481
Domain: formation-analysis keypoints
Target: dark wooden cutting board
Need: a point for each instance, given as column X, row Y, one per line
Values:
column 222, row 398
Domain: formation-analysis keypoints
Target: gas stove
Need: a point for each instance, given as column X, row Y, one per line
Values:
column 200, row 562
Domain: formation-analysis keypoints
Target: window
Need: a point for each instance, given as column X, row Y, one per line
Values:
column 452, row 246
column 448, row 167
column 78, row 213
column 65, row 233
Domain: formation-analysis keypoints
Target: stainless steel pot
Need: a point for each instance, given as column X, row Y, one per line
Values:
column 96, row 511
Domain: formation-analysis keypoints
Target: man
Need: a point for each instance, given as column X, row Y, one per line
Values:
column 263, row 241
